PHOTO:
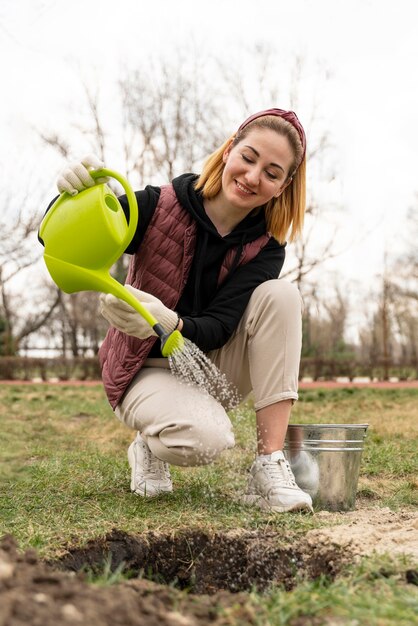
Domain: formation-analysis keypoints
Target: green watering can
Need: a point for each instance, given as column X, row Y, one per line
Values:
column 84, row 235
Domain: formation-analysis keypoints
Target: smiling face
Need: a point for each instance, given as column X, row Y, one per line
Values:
column 256, row 169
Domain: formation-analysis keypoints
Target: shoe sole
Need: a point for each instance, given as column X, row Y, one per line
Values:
column 142, row 492
column 263, row 504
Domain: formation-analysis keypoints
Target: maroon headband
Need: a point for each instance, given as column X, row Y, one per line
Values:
column 289, row 116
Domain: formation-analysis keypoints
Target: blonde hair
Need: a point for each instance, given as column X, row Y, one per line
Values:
column 283, row 214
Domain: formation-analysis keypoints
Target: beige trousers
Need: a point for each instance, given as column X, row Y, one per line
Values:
column 185, row 426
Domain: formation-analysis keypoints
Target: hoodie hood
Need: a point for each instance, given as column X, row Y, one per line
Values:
column 211, row 247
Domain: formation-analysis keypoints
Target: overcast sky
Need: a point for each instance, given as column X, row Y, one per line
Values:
column 371, row 101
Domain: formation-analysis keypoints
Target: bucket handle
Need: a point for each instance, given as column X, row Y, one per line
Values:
column 133, row 204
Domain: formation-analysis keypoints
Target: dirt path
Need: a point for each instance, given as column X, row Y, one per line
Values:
column 383, row 384
column 370, row 530
column 326, row 384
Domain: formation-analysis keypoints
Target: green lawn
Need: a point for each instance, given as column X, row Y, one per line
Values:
column 64, row 478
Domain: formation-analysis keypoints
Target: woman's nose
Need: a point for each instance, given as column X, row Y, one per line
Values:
column 252, row 176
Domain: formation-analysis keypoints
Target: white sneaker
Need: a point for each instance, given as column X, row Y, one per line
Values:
column 272, row 486
column 149, row 476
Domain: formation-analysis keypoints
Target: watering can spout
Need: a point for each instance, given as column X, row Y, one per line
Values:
column 84, row 235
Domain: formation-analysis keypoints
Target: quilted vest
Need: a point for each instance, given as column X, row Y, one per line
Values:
column 161, row 266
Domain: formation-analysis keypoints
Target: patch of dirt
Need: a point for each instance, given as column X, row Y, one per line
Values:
column 369, row 530
column 217, row 570
column 33, row 593
column 207, row 563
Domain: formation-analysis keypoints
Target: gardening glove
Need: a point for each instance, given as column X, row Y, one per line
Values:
column 126, row 319
column 75, row 176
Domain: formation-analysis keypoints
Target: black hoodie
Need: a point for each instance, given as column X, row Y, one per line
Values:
column 210, row 315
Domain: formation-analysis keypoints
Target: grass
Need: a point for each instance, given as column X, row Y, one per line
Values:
column 64, row 471
column 374, row 593
column 64, row 478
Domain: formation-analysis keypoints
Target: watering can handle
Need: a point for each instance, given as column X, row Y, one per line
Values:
column 133, row 205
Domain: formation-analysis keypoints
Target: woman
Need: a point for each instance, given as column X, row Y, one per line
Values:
column 206, row 259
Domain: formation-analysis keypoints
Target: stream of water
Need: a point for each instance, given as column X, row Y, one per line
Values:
column 193, row 367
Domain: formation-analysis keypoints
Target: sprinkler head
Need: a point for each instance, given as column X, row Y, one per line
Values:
column 170, row 343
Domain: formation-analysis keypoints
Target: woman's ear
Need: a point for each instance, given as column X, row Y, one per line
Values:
column 227, row 150
column 226, row 154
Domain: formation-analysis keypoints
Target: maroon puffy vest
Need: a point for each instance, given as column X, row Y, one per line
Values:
column 161, row 266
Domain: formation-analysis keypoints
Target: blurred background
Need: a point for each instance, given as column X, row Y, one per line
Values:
column 154, row 87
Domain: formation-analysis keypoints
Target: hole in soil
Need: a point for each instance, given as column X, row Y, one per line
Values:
column 206, row 563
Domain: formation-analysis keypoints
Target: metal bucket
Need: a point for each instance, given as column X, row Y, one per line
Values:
column 325, row 459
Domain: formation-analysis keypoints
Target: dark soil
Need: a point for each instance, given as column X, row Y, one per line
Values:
column 204, row 563
column 216, row 570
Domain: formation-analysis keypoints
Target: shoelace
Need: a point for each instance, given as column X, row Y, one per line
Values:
column 280, row 470
column 154, row 467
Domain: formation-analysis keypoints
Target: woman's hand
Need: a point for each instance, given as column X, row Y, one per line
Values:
column 123, row 317
column 76, row 176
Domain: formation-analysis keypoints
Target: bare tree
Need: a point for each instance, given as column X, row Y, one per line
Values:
column 389, row 336
column 93, row 132
column 325, row 324
column 377, row 341
column 404, row 289
column 171, row 120
column 81, row 322
column 18, row 251
column 405, row 269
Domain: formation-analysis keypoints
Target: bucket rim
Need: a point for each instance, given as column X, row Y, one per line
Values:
column 315, row 449
column 349, row 426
